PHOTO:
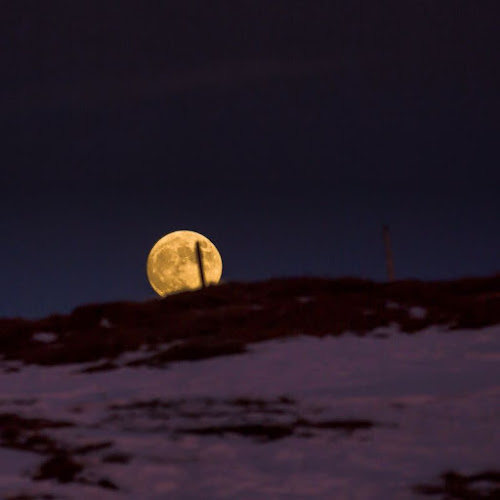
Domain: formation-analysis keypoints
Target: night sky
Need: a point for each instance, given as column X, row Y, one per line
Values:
column 287, row 132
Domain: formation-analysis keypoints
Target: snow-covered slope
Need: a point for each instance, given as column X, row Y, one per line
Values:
column 351, row 416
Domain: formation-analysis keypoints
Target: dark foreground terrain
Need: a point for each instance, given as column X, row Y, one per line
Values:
column 303, row 388
column 224, row 319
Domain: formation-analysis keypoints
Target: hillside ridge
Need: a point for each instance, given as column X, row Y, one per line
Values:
column 224, row 319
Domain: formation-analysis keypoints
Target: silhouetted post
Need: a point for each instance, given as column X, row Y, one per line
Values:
column 200, row 264
column 388, row 254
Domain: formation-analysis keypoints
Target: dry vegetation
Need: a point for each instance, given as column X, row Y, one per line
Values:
column 257, row 419
column 454, row 486
column 224, row 319
column 60, row 460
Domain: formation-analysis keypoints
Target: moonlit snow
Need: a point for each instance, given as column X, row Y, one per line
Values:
column 45, row 337
column 433, row 398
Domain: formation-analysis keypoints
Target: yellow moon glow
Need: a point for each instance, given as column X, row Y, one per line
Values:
column 172, row 264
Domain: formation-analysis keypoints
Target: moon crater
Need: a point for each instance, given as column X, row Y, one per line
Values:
column 172, row 264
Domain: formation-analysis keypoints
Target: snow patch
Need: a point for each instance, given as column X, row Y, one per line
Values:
column 45, row 337
column 417, row 312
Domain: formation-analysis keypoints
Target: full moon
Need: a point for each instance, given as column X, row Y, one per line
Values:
column 173, row 264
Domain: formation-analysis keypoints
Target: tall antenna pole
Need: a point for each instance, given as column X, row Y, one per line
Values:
column 200, row 265
column 388, row 254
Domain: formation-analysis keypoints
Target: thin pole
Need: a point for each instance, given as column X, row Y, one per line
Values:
column 200, row 265
column 388, row 254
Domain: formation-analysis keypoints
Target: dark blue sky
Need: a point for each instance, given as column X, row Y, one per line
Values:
column 287, row 132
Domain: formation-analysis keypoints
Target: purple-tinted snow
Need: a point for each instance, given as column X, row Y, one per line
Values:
column 435, row 394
